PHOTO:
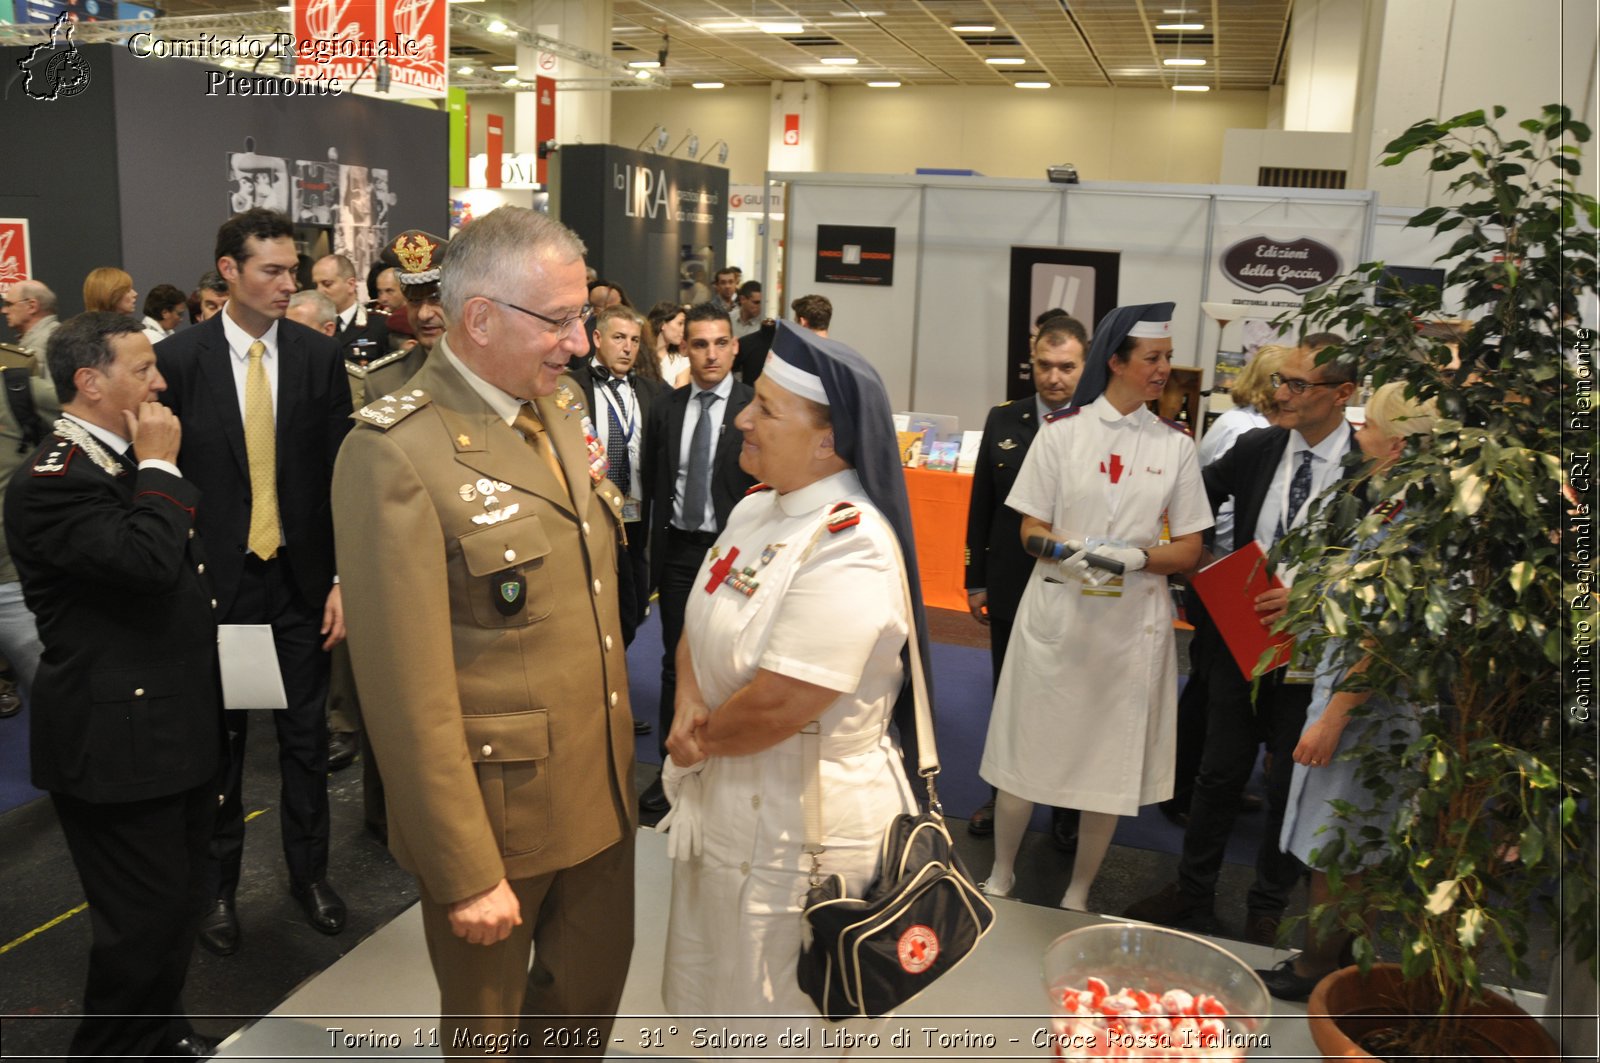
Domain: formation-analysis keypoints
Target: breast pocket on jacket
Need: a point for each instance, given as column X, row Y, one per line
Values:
column 511, row 753
column 508, row 572
column 136, row 726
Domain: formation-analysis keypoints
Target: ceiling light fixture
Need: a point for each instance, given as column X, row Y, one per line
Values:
column 840, row 60
column 507, row 68
column 999, row 60
column 976, row 27
column 1181, row 27
column 512, row 83
column 1191, row 88
column 645, row 64
column 781, row 28
column 855, row 14
column 883, row 84
column 496, row 26
column 464, row 71
column 708, row 84
column 725, row 27
column 1032, row 84
column 1183, row 62
column 642, row 75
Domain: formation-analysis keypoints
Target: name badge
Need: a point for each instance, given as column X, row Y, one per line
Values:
column 630, row 510
column 1111, row 588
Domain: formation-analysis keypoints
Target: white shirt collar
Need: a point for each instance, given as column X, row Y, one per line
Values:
column 503, row 403
column 722, row 390
column 239, row 340
column 348, row 315
column 1108, row 413
column 1331, row 448
column 814, row 495
column 118, row 445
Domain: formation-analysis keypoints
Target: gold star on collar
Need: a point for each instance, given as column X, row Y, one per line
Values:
column 463, row 441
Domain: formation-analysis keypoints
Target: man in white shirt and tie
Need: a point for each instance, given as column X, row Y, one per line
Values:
column 1273, row 475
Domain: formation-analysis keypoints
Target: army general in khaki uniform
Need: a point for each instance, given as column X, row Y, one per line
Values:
column 477, row 540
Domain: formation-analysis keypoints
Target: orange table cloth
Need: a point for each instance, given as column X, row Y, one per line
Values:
column 939, row 503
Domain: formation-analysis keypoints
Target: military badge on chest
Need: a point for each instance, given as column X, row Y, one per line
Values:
column 510, row 593
column 743, row 579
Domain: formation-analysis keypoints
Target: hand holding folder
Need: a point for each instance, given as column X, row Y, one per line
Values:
column 1229, row 588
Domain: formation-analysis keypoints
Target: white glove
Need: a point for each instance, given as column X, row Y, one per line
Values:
column 1132, row 558
column 682, row 824
column 1077, row 568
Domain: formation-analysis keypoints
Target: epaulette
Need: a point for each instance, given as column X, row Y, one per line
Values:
column 1004, row 404
column 360, row 371
column 1179, row 425
column 756, row 489
column 1062, row 414
column 54, row 462
column 1389, row 508
column 390, row 410
column 842, row 516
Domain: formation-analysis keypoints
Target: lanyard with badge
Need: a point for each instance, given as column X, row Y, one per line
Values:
column 630, row 506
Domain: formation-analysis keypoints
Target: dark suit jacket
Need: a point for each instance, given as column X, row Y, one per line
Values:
column 126, row 703
column 752, row 356
column 1245, row 474
column 660, row 466
column 995, row 558
column 313, row 404
column 648, row 392
column 375, row 329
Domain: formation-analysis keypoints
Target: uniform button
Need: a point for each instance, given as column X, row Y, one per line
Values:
column 608, row 642
column 487, row 750
column 597, row 586
column 213, row 603
column 511, row 555
column 138, row 692
column 744, row 868
column 201, row 567
column 613, row 697
column 755, row 801
column 586, row 527
column 1148, row 630
column 191, row 533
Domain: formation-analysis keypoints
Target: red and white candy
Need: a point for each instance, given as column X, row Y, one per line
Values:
column 1095, row 1023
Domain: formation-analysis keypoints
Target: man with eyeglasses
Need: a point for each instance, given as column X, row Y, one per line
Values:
column 692, row 482
column 1273, row 475
column 31, row 311
column 478, row 538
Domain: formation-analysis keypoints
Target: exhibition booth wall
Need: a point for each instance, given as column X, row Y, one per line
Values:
column 140, row 167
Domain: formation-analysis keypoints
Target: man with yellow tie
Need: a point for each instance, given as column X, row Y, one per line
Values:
column 478, row 551
column 265, row 406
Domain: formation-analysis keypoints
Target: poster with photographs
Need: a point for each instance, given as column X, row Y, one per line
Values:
column 316, row 193
column 354, row 237
column 382, row 198
column 257, row 181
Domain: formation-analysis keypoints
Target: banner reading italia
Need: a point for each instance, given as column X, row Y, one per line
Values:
column 407, row 41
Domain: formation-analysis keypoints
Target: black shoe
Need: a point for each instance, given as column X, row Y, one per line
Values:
column 1177, row 814
column 1283, row 983
column 654, row 799
column 342, row 748
column 219, row 930
column 981, row 823
column 379, row 832
column 1064, row 829
column 640, row 727
column 193, row 1046
column 1250, row 803
column 324, row 910
column 1170, row 907
column 10, row 704
column 1261, row 927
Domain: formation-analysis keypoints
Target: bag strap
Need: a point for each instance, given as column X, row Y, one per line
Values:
column 927, row 747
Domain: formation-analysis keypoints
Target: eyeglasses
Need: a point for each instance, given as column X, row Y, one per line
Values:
column 561, row 327
column 1300, row 387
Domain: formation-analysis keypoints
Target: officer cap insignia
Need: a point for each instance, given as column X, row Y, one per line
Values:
column 420, row 254
column 1062, row 414
column 843, row 516
column 385, row 414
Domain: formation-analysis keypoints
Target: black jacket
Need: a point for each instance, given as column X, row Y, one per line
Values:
column 995, row 558
column 126, row 705
column 1245, row 474
column 659, row 466
column 313, row 415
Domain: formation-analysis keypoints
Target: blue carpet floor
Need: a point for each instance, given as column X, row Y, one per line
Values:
column 14, row 787
column 961, row 680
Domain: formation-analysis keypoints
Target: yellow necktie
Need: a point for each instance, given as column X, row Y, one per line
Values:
column 260, row 443
column 528, row 423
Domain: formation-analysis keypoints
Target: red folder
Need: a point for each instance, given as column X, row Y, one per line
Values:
column 1229, row 588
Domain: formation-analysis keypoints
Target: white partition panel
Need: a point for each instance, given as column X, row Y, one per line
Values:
column 877, row 321
column 966, row 291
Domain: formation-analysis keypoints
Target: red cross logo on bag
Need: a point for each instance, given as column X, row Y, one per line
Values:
column 918, row 948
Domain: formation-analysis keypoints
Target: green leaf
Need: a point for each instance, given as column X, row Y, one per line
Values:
column 1521, row 576
column 1531, row 845
column 1569, row 808
column 1469, row 927
column 1333, row 617
column 1438, row 766
column 1471, row 489
column 1443, row 897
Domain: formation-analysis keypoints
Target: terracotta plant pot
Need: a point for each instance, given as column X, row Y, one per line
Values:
column 1345, row 1008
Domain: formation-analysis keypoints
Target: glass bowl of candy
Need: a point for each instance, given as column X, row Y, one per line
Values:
column 1135, row 991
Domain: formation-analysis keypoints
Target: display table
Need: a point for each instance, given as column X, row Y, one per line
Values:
column 939, row 502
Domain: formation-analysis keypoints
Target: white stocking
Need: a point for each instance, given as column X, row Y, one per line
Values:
column 1094, row 838
column 1011, row 815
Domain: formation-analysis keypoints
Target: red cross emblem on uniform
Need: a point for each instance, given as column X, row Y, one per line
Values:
column 719, row 571
column 1115, row 472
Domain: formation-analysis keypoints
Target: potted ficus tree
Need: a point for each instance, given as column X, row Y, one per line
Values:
column 1484, row 816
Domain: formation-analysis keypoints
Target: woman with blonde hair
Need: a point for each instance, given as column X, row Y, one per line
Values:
column 109, row 289
column 1323, row 775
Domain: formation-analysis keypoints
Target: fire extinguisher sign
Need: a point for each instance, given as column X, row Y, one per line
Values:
column 791, row 130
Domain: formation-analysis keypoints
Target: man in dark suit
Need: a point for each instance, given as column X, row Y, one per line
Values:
column 1272, row 475
column 265, row 406
column 997, row 566
column 335, row 277
column 127, row 720
column 692, row 482
column 621, row 401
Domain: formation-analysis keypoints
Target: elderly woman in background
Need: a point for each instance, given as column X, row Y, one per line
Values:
column 799, row 616
column 1320, row 775
column 666, row 324
column 1084, row 716
column 109, row 289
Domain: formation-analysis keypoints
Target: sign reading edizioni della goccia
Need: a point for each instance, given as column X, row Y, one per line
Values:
column 855, row 254
column 653, row 224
